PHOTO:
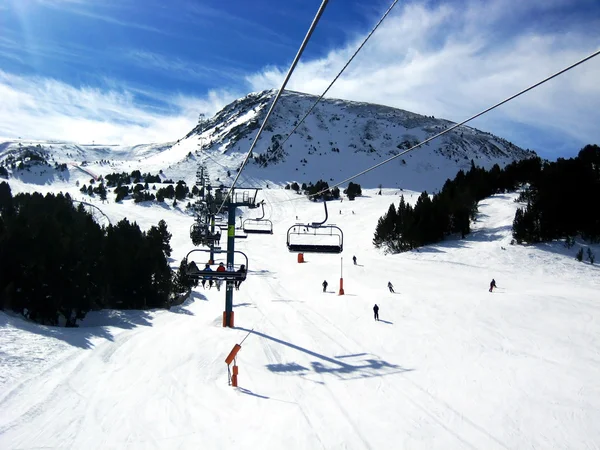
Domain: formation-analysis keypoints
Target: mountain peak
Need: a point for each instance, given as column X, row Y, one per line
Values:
column 341, row 137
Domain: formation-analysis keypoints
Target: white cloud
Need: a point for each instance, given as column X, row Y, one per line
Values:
column 181, row 68
column 453, row 60
column 42, row 108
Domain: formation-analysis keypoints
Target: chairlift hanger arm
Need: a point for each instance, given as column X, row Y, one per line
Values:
column 318, row 224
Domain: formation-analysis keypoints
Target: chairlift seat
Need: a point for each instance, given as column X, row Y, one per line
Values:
column 315, row 238
column 193, row 271
column 308, row 248
column 257, row 226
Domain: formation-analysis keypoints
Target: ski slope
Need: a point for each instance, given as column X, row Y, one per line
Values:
column 448, row 366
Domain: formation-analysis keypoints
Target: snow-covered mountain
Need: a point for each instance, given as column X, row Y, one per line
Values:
column 338, row 139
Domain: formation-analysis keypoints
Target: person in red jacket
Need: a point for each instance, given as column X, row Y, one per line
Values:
column 219, row 281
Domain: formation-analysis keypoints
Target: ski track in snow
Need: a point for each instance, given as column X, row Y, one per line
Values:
column 448, row 366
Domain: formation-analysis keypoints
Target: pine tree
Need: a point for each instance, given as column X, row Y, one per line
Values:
column 161, row 235
column 181, row 281
column 6, row 199
column 384, row 231
column 518, row 227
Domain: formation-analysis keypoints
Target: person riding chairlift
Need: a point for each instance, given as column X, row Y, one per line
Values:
column 237, row 283
column 210, row 281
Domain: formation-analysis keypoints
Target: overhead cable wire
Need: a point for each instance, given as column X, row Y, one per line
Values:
column 286, row 79
column 512, row 97
column 340, row 73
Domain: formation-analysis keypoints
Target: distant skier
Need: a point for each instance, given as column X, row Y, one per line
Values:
column 391, row 287
column 325, row 285
column 376, row 311
column 354, row 259
column 492, row 284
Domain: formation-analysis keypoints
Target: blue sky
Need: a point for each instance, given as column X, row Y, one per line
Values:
column 133, row 71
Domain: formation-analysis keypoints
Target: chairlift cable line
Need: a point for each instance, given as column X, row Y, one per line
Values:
column 287, row 77
column 512, row 97
column 340, row 73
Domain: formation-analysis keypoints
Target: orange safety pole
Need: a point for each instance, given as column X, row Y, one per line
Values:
column 232, row 354
column 234, row 375
column 341, row 277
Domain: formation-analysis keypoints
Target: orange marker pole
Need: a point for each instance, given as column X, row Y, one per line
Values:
column 341, row 277
column 232, row 354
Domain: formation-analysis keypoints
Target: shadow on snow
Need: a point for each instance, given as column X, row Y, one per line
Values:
column 368, row 367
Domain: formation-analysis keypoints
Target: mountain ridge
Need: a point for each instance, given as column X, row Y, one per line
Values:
column 337, row 140
column 345, row 128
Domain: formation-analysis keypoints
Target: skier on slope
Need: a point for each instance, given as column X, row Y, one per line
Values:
column 354, row 259
column 325, row 285
column 391, row 287
column 376, row 311
column 492, row 284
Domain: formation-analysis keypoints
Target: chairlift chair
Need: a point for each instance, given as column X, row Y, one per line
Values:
column 196, row 264
column 259, row 225
column 201, row 235
column 315, row 237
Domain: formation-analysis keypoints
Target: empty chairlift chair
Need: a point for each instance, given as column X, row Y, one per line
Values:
column 315, row 237
column 259, row 225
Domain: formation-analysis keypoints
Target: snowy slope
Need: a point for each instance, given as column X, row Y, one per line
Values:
column 449, row 366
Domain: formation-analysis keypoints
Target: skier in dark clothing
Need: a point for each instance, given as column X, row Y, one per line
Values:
column 324, row 285
column 390, row 287
column 354, row 259
column 492, row 284
column 242, row 270
column 376, row 311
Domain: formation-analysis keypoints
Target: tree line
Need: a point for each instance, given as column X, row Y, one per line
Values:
column 57, row 263
column 321, row 190
column 562, row 200
column 556, row 193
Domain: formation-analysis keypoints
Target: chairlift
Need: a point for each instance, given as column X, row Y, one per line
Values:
column 221, row 223
column 259, row 225
column 201, row 235
column 196, row 266
column 315, row 237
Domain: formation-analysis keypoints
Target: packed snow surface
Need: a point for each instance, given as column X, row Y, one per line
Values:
column 449, row 365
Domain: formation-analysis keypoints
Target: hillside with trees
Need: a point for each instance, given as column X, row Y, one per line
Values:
column 560, row 197
column 56, row 263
